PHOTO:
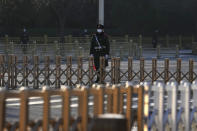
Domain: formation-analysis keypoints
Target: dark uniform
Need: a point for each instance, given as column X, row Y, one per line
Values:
column 99, row 47
column 24, row 40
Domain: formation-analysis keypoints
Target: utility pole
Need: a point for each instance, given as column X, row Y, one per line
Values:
column 101, row 12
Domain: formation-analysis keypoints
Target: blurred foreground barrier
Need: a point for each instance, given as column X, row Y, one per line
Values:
column 171, row 107
column 116, row 99
column 34, row 72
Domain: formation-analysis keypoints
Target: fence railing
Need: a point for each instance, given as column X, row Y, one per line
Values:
column 160, row 106
column 120, row 49
column 142, row 40
column 35, row 72
column 113, row 93
column 174, row 106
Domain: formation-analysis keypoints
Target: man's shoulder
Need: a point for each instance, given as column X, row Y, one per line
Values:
column 106, row 35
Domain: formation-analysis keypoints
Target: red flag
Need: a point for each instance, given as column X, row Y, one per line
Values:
column 94, row 67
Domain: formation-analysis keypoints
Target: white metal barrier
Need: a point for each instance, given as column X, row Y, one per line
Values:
column 171, row 107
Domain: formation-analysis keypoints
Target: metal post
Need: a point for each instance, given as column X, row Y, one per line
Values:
column 15, row 70
column 158, row 51
column 2, row 62
column 7, row 44
column 34, row 48
column 46, row 109
column 174, row 106
column 130, row 68
column 126, row 38
column 113, row 77
column 100, row 100
column 141, row 69
column 140, row 114
column 47, row 70
column 66, row 109
column 147, row 92
column 101, row 12
column 185, row 103
column 45, row 39
column 116, row 99
column 36, row 72
column 79, row 72
column 194, row 89
column 69, row 70
column 166, row 70
column 140, row 40
column 57, row 48
column 172, row 103
column 2, row 109
column 102, row 69
column 85, row 109
column 140, row 51
column 161, row 106
column 191, row 67
column 131, row 48
column 25, row 71
column 91, row 70
column 177, row 51
column 58, row 71
column 178, row 70
column 154, row 70
column 23, row 110
column 129, row 87
column 117, row 70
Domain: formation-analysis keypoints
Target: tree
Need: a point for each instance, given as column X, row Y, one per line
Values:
column 191, row 8
column 63, row 10
column 15, row 14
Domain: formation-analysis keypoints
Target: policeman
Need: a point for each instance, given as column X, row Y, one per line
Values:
column 100, row 47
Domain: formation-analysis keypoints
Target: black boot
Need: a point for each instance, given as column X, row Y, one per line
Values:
column 97, row 80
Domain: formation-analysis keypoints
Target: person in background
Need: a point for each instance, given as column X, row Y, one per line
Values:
column 155, row 38
column 24, row 39
column 100, row 47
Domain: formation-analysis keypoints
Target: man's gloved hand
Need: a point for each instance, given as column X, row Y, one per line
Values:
column 106, row 56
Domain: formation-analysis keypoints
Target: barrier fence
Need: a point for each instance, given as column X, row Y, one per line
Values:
column 35, row 73
column 174, row 106
column 122, row 46
column 166, row 40
column 160, row 106
column 75, row 49
column 114, row 95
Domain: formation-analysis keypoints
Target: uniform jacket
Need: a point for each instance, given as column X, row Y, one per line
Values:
column 99, row 49
column 24, row 38
column 104, row 45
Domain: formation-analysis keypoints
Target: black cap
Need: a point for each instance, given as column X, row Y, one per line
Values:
column 100, row 26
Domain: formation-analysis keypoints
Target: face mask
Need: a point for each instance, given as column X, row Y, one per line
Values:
column 99, row 30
